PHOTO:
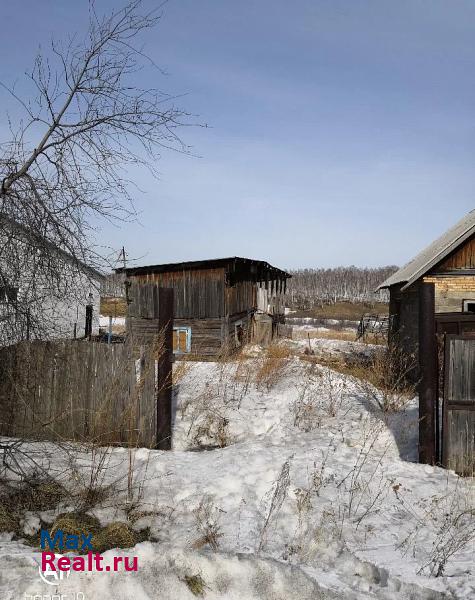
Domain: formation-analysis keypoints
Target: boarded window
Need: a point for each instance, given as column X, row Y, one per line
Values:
column 181, row 340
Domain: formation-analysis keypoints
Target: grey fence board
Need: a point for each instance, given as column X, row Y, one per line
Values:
column 80, row 391
column 90, row 391
column 458, row 451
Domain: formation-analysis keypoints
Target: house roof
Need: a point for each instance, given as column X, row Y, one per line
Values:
column 434, row 253
column 42, row 241
column 258, row 267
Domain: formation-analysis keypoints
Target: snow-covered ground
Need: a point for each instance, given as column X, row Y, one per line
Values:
column 327, row 345
column 285, row 482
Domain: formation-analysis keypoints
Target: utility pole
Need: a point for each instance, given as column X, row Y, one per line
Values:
column 123, row 257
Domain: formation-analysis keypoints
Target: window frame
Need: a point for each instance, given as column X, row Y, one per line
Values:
column 187, row 330
column 465, row 302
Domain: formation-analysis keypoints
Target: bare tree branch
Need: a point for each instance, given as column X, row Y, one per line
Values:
column 67, row 161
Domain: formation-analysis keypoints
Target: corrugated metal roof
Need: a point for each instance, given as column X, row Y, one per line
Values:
column 434, row 253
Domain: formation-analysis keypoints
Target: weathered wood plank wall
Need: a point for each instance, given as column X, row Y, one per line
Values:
column 207, row 335
column 198, row 293
column 87, row 391
column 458, row 449
column 79, row 391
column 241, row 297
column 463, row 258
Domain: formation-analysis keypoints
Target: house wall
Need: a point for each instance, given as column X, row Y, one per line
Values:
column 53, row 292
column 463, row 258
column 451, row 291
column 207, row 304
column 198, row 293
column 206, row 335
column 240, row 297
column 245, row 322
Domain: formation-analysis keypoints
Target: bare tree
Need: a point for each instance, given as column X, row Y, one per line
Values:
column 310, row 288
column 66, row 161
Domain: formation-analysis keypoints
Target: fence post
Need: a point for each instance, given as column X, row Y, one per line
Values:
column 428, row 374
column 164, row 379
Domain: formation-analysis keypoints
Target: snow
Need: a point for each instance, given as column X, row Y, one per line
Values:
column 104, row 321
column 314, row 495
column 334, row 347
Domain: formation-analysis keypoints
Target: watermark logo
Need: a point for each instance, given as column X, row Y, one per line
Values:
column 51, row 576
column 56, row 567
column 66, row 542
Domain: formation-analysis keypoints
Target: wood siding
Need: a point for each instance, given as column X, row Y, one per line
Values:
column 463, row 258
column 206, row 335
column 199, row 293
column 241, row 297
column 80, row 391
column 459, row 406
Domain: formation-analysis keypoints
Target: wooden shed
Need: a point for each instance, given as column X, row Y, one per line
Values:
column 448, row 263
column 216, row 302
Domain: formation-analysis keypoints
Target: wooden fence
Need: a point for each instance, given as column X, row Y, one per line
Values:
column 91, row 391
column 458, row 443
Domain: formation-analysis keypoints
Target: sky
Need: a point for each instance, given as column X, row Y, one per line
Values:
column 338, row 132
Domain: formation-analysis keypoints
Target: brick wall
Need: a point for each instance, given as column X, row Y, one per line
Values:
column 450, row 291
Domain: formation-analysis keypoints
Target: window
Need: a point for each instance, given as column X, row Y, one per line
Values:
column 469, row 306
column 181, row 340
column 8, row 294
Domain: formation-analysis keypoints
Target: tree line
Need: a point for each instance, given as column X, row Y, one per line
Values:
column 309, row 288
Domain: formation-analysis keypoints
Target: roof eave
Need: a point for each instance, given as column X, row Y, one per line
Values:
column 443, row 254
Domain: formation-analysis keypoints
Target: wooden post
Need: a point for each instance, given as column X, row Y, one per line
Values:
column 428, row 374
column 164, row 377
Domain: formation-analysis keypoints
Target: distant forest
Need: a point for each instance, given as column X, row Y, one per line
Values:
column 310, row 288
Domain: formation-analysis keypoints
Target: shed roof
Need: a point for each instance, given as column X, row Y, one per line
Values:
column 259, row 267
column 434, row 253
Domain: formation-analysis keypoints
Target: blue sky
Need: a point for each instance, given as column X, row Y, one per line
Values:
column 339, row 132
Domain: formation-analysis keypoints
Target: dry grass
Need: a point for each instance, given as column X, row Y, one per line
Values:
column 213, row 428
column 320, row 396
column 273, row 365
column 35, row 496
column 385, row 377
column 9, row 520
column 275, row 499
column 350, row 311
column 180, row 369
column 195, row 584
column 207, row 524
column 117, row 535
column 113, row 535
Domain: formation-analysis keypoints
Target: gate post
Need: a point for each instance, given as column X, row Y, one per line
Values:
column 164, row 383
column 428, row 374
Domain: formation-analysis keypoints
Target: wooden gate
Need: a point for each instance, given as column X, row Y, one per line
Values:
column 458, row 430
column 446, row 372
